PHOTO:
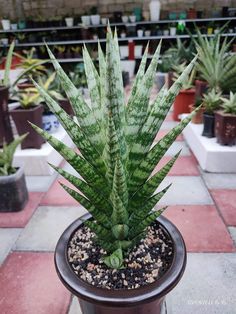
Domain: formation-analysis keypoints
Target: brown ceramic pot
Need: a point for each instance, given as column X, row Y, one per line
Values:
column 65, row 104
column 5, row 124
column 182, row 102
column 22, row 117
column 225, row 128
column 198, row 117
column 200, row 88
column 146, row 299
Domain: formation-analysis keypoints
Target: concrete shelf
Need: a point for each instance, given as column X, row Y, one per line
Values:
column 211, row 156
column 35, row 161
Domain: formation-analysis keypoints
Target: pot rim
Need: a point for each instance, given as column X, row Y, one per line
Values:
column 14, row 176
column 121, row 298
column 223, row 114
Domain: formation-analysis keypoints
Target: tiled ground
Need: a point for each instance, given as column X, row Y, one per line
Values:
column 202, row 205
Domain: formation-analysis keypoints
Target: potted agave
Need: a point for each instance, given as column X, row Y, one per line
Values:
column 211, row 103
column 111, row 258
column 186, row 96
column 13, row 191
column 225, row 121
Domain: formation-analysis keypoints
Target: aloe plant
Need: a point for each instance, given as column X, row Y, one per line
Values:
column 188, row 83
column 229, row 105
column 115, row 141
column 7, row 154
column 212, row 101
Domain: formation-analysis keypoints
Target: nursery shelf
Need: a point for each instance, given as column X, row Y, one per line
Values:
column 211, row 156
column 94, row 41
column 79, row 26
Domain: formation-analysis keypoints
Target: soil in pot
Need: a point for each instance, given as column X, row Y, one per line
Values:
column 21, row 118
column 225, row 128
column 148, row 297
column 146, row 263
column 182, row 102
column 5, row 124
column 208, row 125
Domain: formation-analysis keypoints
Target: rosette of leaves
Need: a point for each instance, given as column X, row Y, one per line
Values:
column 229, row 104
column 117, row 155
column 188, row 83
column 212, row 101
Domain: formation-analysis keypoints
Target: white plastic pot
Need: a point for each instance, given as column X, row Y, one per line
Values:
column 166, row 32
column 85, row 20
column 4, row 41
column 104, row 20
column 140, row 33
column 6, row 25
column 69, row 21
column 147, row 33
column 128, row 66
column 125, row 19
column 138, row 51
column 172, row 31
column 124, row 52
column 95, row 19
column 155, row 8
column 14, row 26
column 50, row 123
column 132, row 18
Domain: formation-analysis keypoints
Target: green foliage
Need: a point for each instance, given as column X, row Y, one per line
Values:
column 6, row 81
column 212, row 101
column 188, row 83
column 7, row 154
column 117, row 156
column 229, row 105
column 215, row 64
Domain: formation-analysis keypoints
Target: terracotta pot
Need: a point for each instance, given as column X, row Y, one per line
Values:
column 25, row 85
column 198, row 117
column 208, row 125
column 146, row 299
column 5, row 124
column 21, row 118
column 182, row 102
column 201, row 88
column 225, row 128
column 13, row 191
column 65, row 104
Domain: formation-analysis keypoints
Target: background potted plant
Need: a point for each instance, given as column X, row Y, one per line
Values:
column 29, row 110
column 225, row 121
column 198, row 117
column 13, row 190
column 95, row 17
column 186, row 96
column 211, row 103
column 121, row 209
column 5, row 125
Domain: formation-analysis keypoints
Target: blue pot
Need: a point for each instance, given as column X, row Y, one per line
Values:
column 50, row 123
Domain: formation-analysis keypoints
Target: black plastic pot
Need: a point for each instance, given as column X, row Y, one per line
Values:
column 13, row 191
column 208, row 125
column 146, row 299
column 5, row 125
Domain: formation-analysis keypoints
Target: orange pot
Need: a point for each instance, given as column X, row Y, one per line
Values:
column 198, row 117
column 182, row 102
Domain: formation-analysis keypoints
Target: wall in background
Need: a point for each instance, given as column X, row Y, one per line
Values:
column 15, row 9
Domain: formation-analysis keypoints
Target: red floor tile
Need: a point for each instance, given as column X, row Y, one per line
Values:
column 20, row 219
column 226, row 202
column 184, row 166
column 29, row 285
column 202, row 228
column 162, row 133
column 56, row 195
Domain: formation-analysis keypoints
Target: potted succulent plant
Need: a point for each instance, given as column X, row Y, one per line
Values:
column 225, row 121
column 187, row 94
column 13, row 191
column 198, row 117
column 211, row 103
column 5, row 125
column 29, row 110
column 116, row 162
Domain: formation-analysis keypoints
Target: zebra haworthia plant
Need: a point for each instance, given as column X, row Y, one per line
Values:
column 116, row 154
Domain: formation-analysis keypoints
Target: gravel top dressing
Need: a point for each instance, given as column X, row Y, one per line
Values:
column 146, row 263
